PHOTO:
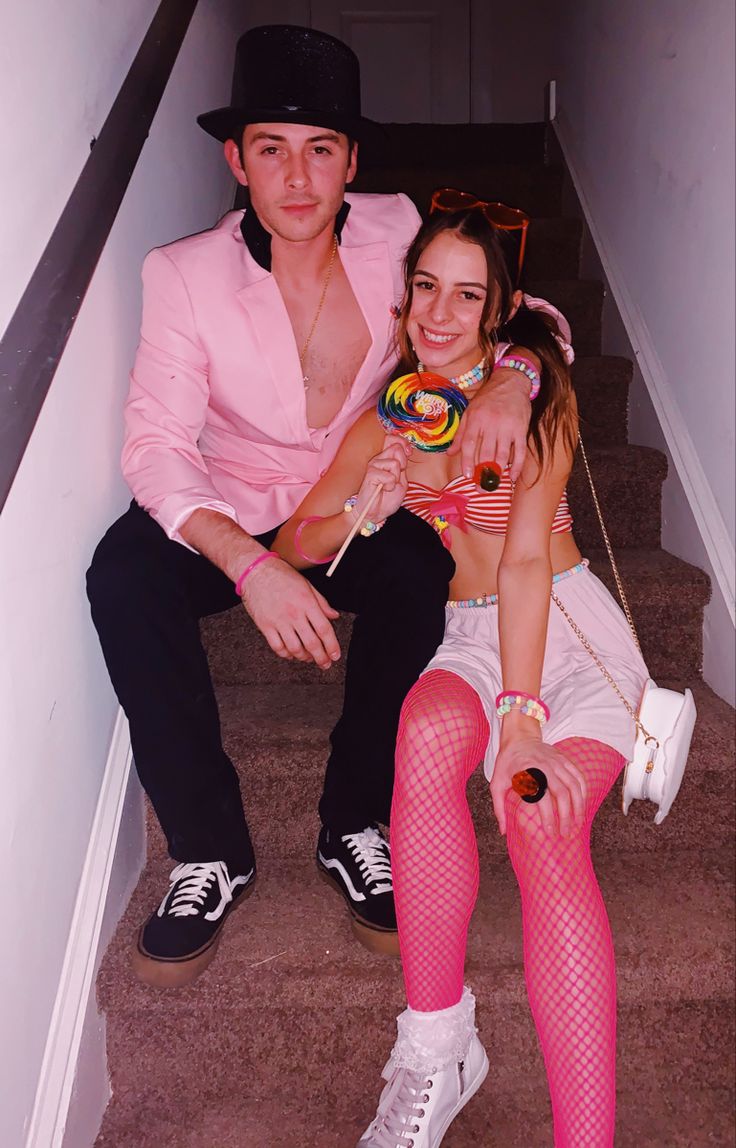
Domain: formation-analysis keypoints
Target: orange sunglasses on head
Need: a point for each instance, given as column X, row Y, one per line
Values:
column 501, row 216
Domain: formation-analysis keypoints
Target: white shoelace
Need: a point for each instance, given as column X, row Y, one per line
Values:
column 371, row 851
column 400, row 1110
column 194, row 882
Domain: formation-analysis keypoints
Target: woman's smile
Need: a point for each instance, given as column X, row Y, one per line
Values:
column 437, row 337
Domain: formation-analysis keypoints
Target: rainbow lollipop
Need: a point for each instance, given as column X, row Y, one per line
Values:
column 423, row 408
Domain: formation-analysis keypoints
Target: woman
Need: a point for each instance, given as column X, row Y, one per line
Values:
column 560, row 715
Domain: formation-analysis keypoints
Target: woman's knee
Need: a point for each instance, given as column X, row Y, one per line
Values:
column 539, row 857
column 443, row 730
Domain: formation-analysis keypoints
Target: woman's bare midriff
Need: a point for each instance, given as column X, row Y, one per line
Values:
column 477, row 556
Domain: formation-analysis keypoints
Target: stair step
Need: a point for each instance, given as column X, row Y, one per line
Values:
column 281, row 789
column 673, row 937
column 337, row 1054
column 256, row 715
column 421, row 144
column 666, row 595
column 581, row 302
column 652, row 1111
column 553, row 249
column 281, row 766
column 602, row 388
column 297, row 990
column 628, row 480
column 535, row 188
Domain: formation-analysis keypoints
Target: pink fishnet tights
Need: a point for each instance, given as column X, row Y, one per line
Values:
column 568, row 952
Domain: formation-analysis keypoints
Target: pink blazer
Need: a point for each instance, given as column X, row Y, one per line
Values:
column 216, row 413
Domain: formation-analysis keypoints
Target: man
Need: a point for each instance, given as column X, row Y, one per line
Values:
column 262, row 341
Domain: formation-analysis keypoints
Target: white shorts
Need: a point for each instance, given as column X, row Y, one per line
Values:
column 581, row 701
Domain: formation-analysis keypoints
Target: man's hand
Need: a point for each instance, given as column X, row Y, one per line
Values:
column 495, row 425
column 293, row 617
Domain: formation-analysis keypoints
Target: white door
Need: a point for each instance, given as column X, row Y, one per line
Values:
column 414, row 56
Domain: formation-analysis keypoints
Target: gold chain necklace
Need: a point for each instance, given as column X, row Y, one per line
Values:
column 320, row 305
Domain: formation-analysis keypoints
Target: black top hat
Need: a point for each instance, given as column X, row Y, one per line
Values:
column 291, row 75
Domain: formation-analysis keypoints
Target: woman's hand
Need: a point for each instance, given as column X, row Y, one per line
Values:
column 388, row 470
column 562, row 809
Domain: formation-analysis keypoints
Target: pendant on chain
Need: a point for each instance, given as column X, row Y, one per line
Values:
column 320, row 305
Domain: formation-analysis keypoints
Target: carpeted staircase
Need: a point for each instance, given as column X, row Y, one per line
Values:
column 281, row 1042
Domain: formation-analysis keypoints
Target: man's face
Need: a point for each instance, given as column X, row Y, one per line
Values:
column 296, row 175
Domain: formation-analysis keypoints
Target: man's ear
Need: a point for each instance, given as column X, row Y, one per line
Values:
column 352, row 163
column 234, row 162
column 516, row 300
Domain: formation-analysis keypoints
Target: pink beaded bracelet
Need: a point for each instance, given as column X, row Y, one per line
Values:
column 527, row 703
column 525, row 367
column 297, row 544
column 249, row 569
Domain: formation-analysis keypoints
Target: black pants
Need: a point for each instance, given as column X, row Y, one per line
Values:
column 147, row 595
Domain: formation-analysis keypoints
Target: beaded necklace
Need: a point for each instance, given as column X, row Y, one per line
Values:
column 467, row 379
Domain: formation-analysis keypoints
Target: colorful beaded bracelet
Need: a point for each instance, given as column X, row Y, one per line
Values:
column 527, row 703
column 526, row 367
column 368, row 528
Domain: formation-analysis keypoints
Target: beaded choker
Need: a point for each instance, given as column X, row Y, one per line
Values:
column 467, row 379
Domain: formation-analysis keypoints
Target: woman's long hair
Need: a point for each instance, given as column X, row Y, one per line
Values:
column 552, row 411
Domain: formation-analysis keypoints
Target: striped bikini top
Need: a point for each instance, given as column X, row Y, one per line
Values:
column 461, row 503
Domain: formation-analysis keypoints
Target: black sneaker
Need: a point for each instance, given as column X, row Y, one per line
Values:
column 358, row 865
column 180, row 939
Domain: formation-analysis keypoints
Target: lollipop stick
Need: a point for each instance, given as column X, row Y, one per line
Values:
column 354, row 529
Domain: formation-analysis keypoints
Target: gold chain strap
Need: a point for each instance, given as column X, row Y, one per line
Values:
column 612, row 681
column 609, row 548
column 321, row 303
column 579, row 633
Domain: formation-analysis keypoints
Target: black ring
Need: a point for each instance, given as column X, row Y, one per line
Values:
column 541, row 780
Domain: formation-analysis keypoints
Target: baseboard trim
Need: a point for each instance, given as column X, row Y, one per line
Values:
column 700, row 496
column 54, row 1091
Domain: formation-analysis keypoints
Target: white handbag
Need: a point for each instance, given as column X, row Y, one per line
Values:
column 664, row 719
column 655, row 771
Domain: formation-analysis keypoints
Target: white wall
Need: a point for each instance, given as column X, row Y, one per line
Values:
column 646, row 118
column 60, row 84
column 57, row 708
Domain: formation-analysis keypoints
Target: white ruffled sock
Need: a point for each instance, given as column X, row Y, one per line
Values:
column 430, row 1041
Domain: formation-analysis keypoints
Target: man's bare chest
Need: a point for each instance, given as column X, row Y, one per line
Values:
column 332, row 349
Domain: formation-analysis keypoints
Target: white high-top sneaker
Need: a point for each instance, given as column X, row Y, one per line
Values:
column 418, row 1105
